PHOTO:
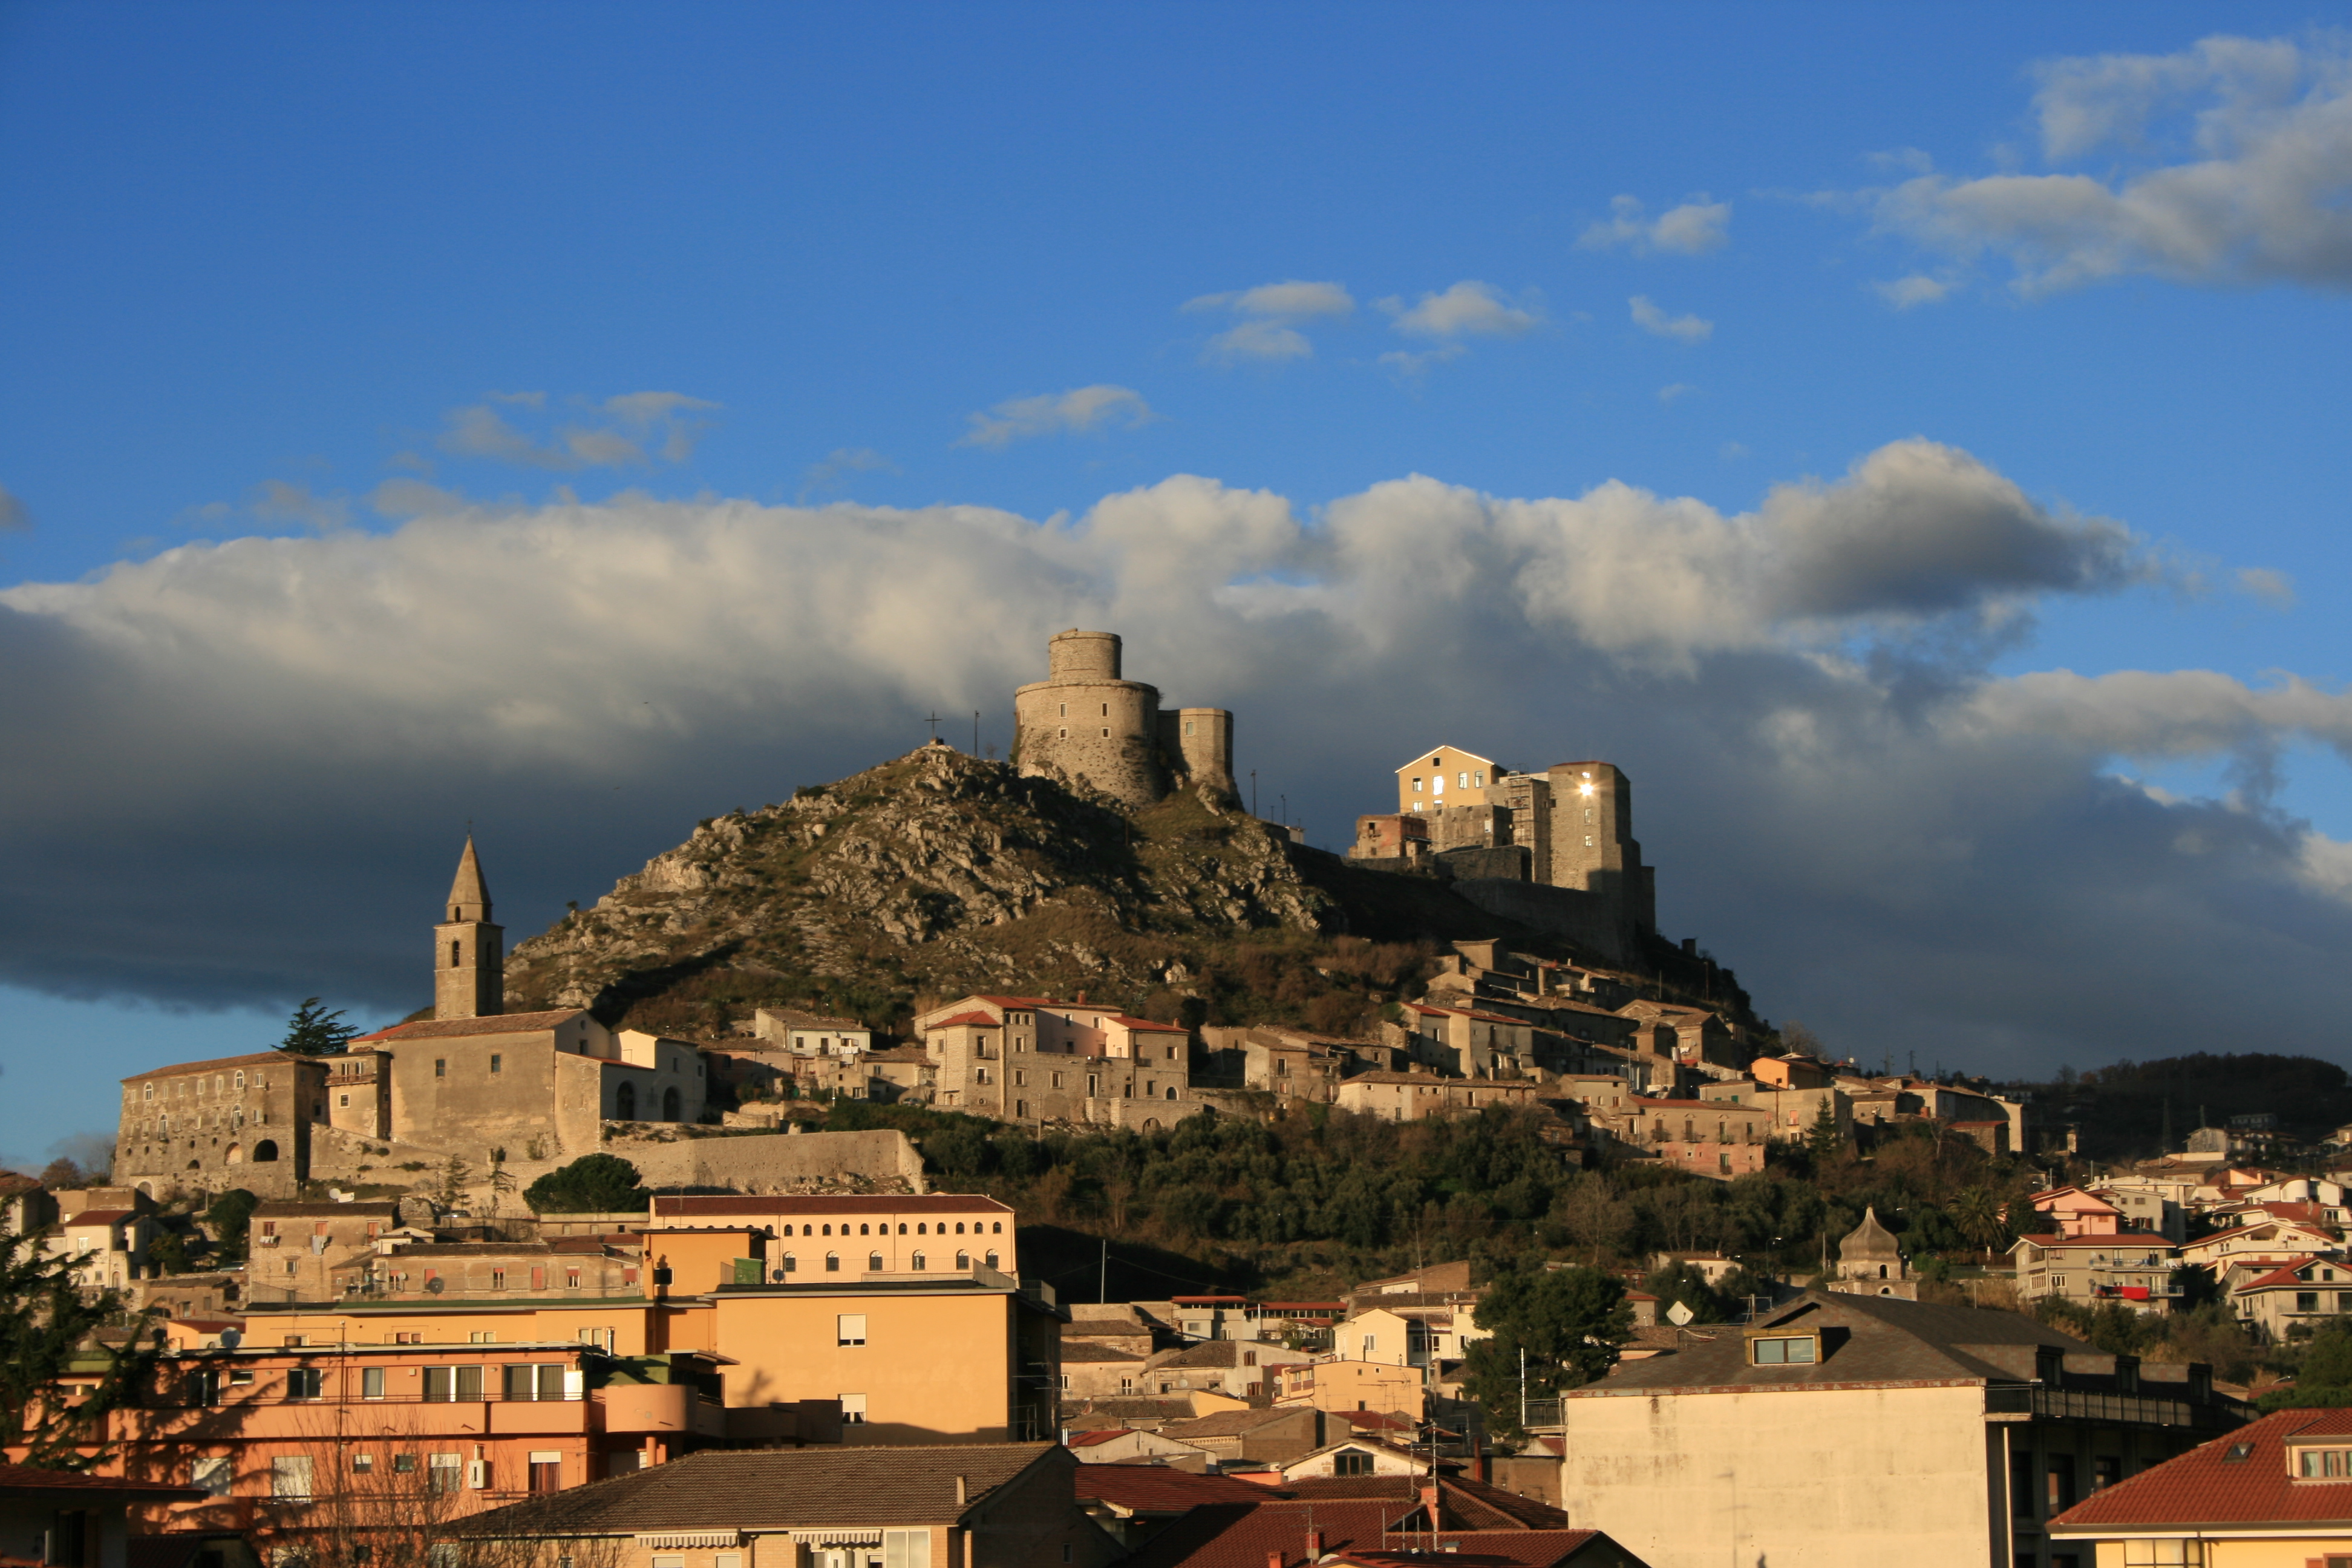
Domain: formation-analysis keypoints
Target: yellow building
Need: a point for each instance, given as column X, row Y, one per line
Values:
column 1339, row 1383
column 2276, row 1494
column 940, row 1356
column 1447, row 775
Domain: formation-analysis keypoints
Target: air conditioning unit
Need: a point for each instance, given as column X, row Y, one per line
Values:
column 478, row 1473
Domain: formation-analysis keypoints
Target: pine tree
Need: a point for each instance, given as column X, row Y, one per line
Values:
column 315, row 1032
column 1824, row 1141
column 47, row 1328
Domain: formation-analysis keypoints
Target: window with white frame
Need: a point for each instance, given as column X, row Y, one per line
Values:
column 849, row 1328
column 853, row 1409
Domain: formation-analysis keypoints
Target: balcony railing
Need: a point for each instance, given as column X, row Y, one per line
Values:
column 2109, row 1409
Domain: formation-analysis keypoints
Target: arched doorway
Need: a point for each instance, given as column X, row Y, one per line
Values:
column 265, row 1152
column 625, row 1102
column 236, row 1154
column 671, row 1105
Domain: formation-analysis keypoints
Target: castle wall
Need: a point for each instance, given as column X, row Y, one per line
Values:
column 774, row 1162
column 1589, row 920
column 1200, row 744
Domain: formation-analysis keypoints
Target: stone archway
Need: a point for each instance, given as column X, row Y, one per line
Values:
column 235, row 1155
column 265, row 1152
column 625, row 1102
column 672, row 1107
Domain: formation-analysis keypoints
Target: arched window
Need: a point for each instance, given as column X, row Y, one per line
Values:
column 833, row 1263
column 992, row 1260
column 265, row 1152
column 625, row 1102
column 864, row 1230
column 808, row 1230
column 791, row 1263
column 874, row 1261
column 997, row 1228
column 964, row 1259
column 917, row 1263
column 1171, row 1091
column 452, row 955
column 959, row 1227
column 828, row 1230
column 918, row 1228
column 671, row 1105
column 902, row 1227
column 235, row 1155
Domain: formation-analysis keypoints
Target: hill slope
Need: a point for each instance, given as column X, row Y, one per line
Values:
column 939, row 873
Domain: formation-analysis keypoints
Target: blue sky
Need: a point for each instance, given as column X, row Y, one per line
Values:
column 402, row 404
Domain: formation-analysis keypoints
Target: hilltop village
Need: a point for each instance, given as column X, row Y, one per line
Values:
column 802, row 1286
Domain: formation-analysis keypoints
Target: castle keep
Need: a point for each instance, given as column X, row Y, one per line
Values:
column 1083, row 721
column 1554, row 849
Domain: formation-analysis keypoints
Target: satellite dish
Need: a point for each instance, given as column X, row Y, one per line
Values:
column 1680, row 1315
column 433, row 1287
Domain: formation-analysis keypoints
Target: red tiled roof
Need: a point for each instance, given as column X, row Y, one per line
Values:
column 1022, row 1001
column 1242, row 1534
column 498, row 1024
column 974, row 1019
column 99, row 1216
column 2206, row 1486
column 785, row 1203
column 1158, row 1490
column 1146, row 1023
column 256, row 1057
column 26, row 1480
column 2284, row 1276
column 1089, row 1439
column 2111, row 1238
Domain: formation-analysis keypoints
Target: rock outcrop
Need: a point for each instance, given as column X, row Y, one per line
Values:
column 942, row 873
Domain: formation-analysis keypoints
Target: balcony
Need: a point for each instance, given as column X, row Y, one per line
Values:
column 2033, row 1402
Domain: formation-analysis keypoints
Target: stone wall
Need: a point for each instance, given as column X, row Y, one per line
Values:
column 774, row 1162
column 1589, row 920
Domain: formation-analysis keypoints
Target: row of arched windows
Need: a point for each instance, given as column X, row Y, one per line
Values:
column 874, row 1264
column 920, row 1228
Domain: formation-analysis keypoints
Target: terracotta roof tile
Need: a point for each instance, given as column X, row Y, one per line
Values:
column 2208, row 1485
column 749, row 1206
column 1156, row 1489
column 257, row 1058
column 500, row 1024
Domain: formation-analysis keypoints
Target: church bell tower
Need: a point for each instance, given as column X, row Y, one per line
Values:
column 468, row 963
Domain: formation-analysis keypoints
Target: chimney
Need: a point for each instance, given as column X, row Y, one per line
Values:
column 1313, row 1546
column 1274, row 1560
column 1429, row 1501
column 962, row 1492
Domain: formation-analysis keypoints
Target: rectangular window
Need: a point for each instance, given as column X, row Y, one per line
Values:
column 213, row 1477
column 2178, row 1554
column 2021, row 1485
column 905, row 1548
column 445, row 1472
column 495, row 1061
column 853, row 1409
column 2306, row 1300
column 440, row 1067
column 363, row 1464
column 289, row 1477
column 546, row 1470
column 2060, row 1494
column 2105, row 1471
column 850, row 1329
column 303, row 1383
column 372, row 1382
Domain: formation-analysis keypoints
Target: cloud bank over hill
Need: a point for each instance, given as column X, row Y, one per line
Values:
column 248, row 763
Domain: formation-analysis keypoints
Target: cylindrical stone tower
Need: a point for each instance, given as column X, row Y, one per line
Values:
column 1085, row 721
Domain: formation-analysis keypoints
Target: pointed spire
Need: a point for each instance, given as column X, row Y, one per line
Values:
column 469, row 895
column 1870, row 1240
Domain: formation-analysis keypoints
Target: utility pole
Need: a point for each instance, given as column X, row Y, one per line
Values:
column 1102, row 1286
column 1253, row 792
column 975, row 732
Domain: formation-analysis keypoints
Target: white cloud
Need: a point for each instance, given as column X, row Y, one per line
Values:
column 627, row 431
column 1650, row 318
column 1674, row 392
column 1258, row 341
column 1918, row 288
column 1271, row 334
column 1409, row 365
column 1827, row 761
column 1080, row 408
column 2227, row 163
column 13, row 514
column 1469, row 308
column 1695, row 227
column 2265, row 583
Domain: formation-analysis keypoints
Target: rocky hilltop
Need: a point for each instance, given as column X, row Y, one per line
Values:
column 939, row 873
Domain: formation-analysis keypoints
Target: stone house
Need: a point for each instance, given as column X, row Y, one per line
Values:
column 1706, row 1137
column 1341, row 1381
column 294, row 1250
column 812, row 1033
column 1791, row 1112
column 1701, row 1035
column 1465, row 1042
column 1776, row 1438
column 1395, row 1095
column 500, row 1271
column 1100, row 1369
column 107, row 1248
column 1034, row 1060
column 1235, row 1367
